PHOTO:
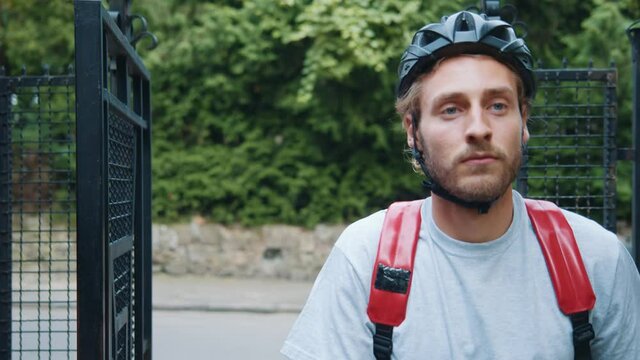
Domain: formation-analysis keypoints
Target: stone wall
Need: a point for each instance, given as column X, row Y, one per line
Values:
column 201, row 248
column 275, row 251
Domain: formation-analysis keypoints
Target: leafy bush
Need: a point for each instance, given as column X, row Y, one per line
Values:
column 282, row 111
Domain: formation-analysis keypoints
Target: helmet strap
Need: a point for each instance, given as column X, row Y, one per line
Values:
column 434, row 187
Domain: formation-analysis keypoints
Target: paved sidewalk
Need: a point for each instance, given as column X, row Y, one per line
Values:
column 202, row 293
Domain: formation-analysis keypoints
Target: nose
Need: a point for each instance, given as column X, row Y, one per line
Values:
column 478, row 127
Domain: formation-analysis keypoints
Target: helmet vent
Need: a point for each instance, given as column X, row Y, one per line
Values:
column 428, row 37
column 464, row 25
column 501, row 33
column 464, row 22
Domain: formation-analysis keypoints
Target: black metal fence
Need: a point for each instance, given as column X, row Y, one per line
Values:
column 37, row 217
column 571, row 155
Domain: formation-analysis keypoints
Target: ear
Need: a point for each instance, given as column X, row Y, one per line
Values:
column 525, row 129
column 407, row 124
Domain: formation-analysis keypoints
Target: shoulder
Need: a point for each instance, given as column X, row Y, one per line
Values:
column 600, row 249
column 359, row 241
column 606, row 259
column 616, row 283
column 598, row 246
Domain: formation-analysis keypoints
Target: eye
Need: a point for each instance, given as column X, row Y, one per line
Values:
column 499, row 107
column 450, row 110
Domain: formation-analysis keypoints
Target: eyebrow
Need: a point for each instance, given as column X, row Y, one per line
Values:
column 446, row 97
column 498, row 91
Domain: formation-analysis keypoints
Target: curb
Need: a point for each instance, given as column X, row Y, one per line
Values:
column 255, row 309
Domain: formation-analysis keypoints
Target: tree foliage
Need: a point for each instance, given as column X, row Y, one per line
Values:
column 34, row 33
column 286, row 113
column 282, row 111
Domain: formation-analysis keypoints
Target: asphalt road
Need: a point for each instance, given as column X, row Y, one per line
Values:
column 193, row 318
column 219, row 335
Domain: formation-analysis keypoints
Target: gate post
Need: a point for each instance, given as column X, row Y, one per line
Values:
column 634, row 38
column 5, row 219
column 142, row 231
column 609, row 152
column 90, row 67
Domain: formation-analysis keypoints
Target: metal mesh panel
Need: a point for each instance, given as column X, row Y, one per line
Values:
column 570, row 157
column 121, row 169
column 121, row 351
column 122, row 282
column 41, row 123
column 122, row 295
column 121, row 176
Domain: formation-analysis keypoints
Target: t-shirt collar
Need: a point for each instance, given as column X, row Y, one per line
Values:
column 430, row 232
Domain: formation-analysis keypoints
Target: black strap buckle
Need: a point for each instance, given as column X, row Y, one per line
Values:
column 583, row 333
column 582, row 329
column 383, row 342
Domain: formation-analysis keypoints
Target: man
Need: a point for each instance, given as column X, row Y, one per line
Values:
column 480, row 287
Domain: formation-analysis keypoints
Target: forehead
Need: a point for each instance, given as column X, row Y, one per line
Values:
column 467, row 74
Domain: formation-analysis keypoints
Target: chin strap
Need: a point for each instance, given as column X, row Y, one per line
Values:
column 433, row 186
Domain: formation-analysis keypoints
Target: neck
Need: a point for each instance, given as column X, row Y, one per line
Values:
column 470, row 226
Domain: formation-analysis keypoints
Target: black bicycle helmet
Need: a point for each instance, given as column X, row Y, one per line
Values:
column 462, row 33
column 465, row 33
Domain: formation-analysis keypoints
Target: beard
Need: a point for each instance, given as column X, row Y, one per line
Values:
column 481, row 183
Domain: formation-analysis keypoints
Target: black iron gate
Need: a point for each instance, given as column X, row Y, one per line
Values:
column 571, row 155
column 78, row 293
column 114, row 182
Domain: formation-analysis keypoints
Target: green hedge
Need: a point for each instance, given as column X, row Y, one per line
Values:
column 282, row 110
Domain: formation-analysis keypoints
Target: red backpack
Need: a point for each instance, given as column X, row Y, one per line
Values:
column 392, row 272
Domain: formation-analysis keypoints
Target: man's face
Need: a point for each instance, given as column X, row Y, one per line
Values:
column 470, row 129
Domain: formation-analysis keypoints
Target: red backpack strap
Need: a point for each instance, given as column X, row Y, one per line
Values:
column 561, row 253
column 569, row 277
column 391, row 280
column 392, row 273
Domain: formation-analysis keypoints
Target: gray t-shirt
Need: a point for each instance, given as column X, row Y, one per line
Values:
column 492, row 300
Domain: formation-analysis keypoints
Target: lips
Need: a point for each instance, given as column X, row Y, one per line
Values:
column 480, row 158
